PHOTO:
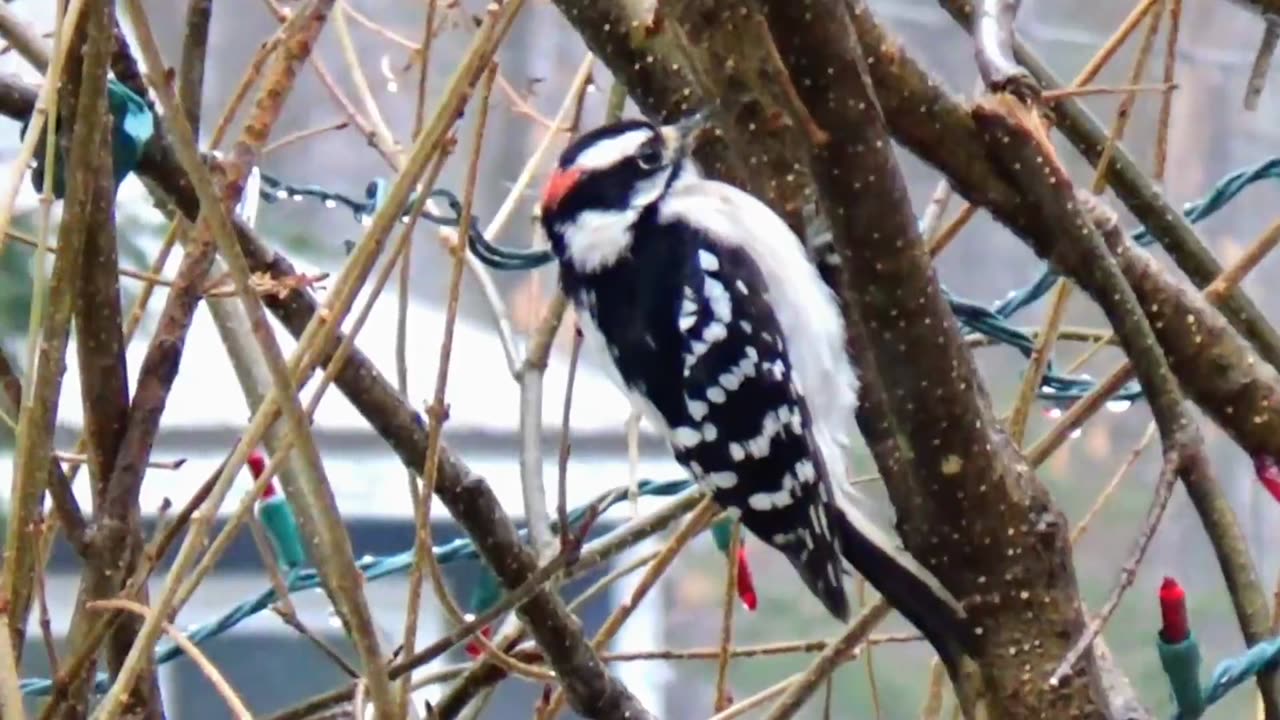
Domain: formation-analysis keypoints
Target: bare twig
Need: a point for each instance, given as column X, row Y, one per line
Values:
column 1164, row 88
column 562, row 460
column 721, row 699
column 530, row 379
column 1166, row 101
column 33, row 456
column 696, row 523
column 437, row 412
column 358, row 78
column 312, row 498
column 10, row 693
column 1262, row 62
column 195, row 48
column 421, row 533
column 1111, row 485
column 220, row 684
column 334, row 656
column 421, row 505
column 42, row 601
column 1173, row 465
column 800, row 688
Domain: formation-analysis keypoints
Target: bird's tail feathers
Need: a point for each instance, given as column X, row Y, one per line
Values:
column 906, row 584
column 818, row 562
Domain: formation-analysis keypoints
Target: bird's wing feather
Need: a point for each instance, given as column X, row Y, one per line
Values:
column 748, row 434
column 805, row 308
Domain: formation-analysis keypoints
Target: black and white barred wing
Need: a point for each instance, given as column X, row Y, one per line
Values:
column 748, row 432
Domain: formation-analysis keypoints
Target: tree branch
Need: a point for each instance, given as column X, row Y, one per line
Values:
column 993, row 50
column 1019, row 144
column 65, row 504
column 945, row 430
column 591, row 689
column 312, row 497
column 195, row 48
column 1136, row 190
column 761, row 112
column 116, row 539
column 34, row 460
column 938, row 128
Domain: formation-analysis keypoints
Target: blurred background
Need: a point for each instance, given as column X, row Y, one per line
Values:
column 272, row 666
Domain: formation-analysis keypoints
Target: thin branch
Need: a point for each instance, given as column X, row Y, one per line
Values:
column 220, row 684
column 1166, row 101
column 195, row 49
column 303, row 135
column 1262, row 62
column 697, row 522
column 556, row 571
column 437, row 412
column 358, row 78
column 993, row 49
column 530, row 378
column 800, row 688
column 1173, row 463
column 1112, row 484
column 312, row 497
column 721, row 698
column 33, row 456
column 42, row 602
column 65, row 504
column 562, row 459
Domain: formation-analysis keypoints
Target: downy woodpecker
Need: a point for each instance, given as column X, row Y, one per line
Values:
column 710, row 316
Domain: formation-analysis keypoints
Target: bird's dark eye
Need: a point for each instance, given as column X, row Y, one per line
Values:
column 649, row 156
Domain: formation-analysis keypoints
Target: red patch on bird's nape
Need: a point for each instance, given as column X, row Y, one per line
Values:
column 559, row 185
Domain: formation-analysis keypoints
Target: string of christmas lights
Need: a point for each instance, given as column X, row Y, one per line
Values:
column 300, row 578
column 992, row 322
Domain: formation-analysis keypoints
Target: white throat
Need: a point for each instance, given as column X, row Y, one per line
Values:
column 596, row 239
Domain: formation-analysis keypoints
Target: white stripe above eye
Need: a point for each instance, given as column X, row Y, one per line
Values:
column 611, row 151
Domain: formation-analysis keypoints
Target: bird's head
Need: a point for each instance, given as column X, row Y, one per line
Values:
column 606, row 177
